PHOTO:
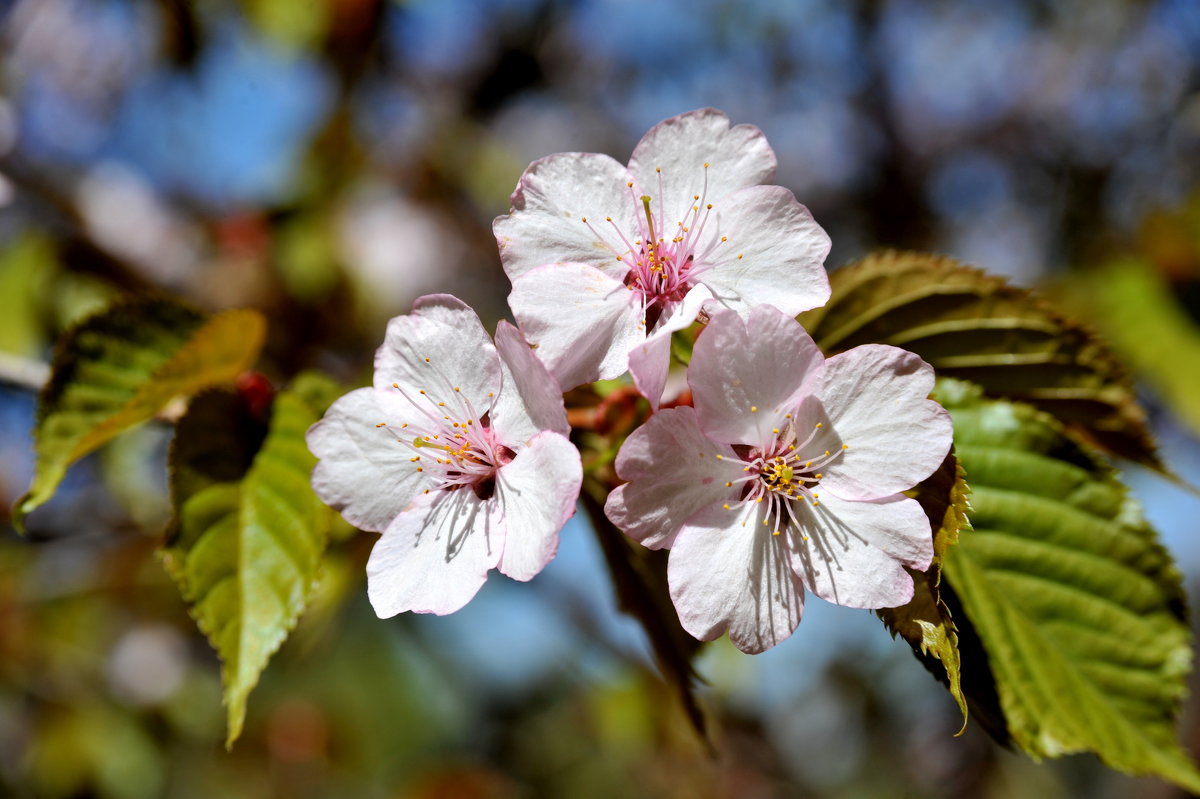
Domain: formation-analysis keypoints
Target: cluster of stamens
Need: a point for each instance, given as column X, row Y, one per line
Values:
column 782, row 472
column 663, row 269
column 455, row 445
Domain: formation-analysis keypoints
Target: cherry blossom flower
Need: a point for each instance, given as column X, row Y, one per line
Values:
column 458, row 454
column 607, row 261
column 785, row 475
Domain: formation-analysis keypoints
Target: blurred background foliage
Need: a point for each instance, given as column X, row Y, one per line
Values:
column 327, row 161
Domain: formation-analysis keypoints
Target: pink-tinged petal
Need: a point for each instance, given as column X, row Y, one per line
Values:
column 552, row 198
column 746, row 374
column 774, row 253
column 537, row 491
column 582, row 322
column 530, row 399
column 727, row 571
column 650, row 362
column 441, row 345
column 675, row 471
column 680, row 146
column 435, row 557
column 856, row 551
column 363, row 472
column 876, row 398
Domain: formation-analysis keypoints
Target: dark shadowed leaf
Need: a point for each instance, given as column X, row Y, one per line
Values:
column 1080, row 610
column 926, row 622
column 976, row 327
column 120, row 368
column 248, row 534
column 639, row 578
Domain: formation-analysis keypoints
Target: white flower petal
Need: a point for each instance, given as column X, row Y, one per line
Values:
column 876, row 399
column 675, row 472
column 650, row 362
column 583, row 322
column 781, row 247
column 437, row 348
column 682, row 145
column 537, row 491
column 856, row 551
column 530, row 399
column 548, row 205
column 435, row 557
column 362, row 471
column 746, row 374
column 727, row 571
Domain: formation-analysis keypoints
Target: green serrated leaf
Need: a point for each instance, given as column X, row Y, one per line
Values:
column 249, row 533
column 120, row 368
column 974, row 326
column 1080, row 610
column 926, row 622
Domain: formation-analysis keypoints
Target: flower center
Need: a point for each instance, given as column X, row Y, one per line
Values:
column 784, row 471
column 451, row 443
column 664, row 261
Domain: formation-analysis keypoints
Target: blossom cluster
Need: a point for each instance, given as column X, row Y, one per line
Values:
column 786, row 471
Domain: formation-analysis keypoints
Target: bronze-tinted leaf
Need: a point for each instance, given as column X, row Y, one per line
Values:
column 977, row 327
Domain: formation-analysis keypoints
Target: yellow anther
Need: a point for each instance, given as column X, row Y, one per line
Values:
column 619, row 259
column 404, row 425
column 695, row 196
column 775, row 430
column 723, row 238
column 826, row 453
column 395, row 385
column 753, row 409
column 420, row 469
column 382, row 424
column 426, row 360
column 710, row 206
column 720, row 457
column 630, row 184
column 584, row 218
column 729, row 484
column 608, row 219
column 819, row 425
column 422, row 391
column 456, row 388
column 739, row 257
column 787, row 416
column 818, row 475
column 490, row 394
column 726, row 506
column 706, row 165
column 658, row 169
column 426, row 491
column 816, row 495
column 775, row 533
column 759, row 500
column 845, row 446
column 442, row 405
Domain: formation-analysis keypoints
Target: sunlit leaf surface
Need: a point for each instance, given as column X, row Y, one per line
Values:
column 245, row 548
column 1079, row 608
